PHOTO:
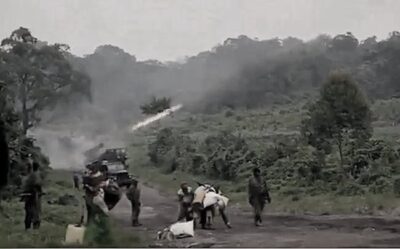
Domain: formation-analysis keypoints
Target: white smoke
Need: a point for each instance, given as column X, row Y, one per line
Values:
column 156, row 117
column 65, row 146
column 65, row 150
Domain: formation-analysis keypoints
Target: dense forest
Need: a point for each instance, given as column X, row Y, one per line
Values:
column 244, row 72
column 42, row 83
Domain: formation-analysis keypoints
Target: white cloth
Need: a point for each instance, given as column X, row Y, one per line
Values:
column 212, row 198
column 182, row 228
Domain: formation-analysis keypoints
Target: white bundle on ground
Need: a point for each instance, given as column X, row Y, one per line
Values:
column 176, row 231
column 182, row 228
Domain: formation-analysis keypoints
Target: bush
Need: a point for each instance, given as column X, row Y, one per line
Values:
column 380, row 186
column 99, row 233
column 351, row 189
column 396, row 186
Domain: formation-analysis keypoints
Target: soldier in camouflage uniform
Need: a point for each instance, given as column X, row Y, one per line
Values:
column 93, row 182
column 32, row 197
column 185, row 198
column 133, row 195
column 258, row 194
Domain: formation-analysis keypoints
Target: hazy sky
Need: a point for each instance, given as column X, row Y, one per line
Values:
column 171, row 29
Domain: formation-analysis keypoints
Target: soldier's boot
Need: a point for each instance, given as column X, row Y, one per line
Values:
column 27, row 225
column 136, row 224
column 257, row 219
column 28, row 220
column 36, row 225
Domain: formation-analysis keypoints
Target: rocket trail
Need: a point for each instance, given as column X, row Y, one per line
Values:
column 156, row 117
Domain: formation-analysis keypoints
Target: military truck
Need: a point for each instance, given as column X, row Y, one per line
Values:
column 114, row 155
column 113, row 162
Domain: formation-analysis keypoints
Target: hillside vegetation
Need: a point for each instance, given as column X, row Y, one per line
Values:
column 223, row 148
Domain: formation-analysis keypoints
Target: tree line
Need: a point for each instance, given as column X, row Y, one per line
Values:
column 34, row 76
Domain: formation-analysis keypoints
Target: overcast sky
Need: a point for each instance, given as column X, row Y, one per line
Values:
column 171, row 29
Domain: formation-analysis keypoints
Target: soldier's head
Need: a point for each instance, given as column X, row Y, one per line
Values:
column 184, row 186
column 256, row 172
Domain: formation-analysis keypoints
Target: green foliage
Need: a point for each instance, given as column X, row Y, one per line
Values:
column 351, row 189
column 156, row 106
column 223, row 156
column 37, row 75
column 4, row 156
column 99, row 233
column 286, row 159
column 396, row 186
column 34, row 76
column 340, row 115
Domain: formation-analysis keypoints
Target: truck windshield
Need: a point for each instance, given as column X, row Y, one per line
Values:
column 115, row 167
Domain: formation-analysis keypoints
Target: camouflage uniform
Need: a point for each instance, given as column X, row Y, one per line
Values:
column 33, row 192
column 258, row 194
column 92, row 182
column 76, row 180
column 185, row 203
column 133, row 195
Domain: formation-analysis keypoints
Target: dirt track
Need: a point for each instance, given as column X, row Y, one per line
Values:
column 158, row 212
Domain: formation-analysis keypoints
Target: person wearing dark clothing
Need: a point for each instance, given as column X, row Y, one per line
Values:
column 32, row 196
column 221, row 210
column 185, row 198
column 92, row 184
column 258, row 195
column 133, row 195
column 76, row 180
column 4, row 156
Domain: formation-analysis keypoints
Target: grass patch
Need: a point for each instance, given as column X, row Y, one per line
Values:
column 368, row 204
column 55, row 219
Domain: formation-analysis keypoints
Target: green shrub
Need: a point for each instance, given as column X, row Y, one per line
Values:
column 396, row 186
column 350, row 189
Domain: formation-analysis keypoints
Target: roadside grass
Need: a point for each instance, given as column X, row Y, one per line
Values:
column 55, row 219
column 259, row 128
column 369, row 204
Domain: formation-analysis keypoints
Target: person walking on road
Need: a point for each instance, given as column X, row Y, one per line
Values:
column 133, row 195
column 258, row 195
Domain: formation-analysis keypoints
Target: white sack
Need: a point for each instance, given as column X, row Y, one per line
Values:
column 182, row 228
column 212, row 198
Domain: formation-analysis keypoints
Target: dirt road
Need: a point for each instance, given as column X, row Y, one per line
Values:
column 159, row 211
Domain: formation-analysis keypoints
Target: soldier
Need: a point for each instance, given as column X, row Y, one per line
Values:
column 76, row 180
column 133, row 195
column 258, row 193
column 185, row 197
column 93, row 184
column 32, row 197
column 222, row 209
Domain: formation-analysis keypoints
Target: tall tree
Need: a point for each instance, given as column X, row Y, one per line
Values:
column 340, row 114
column 38, row 75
